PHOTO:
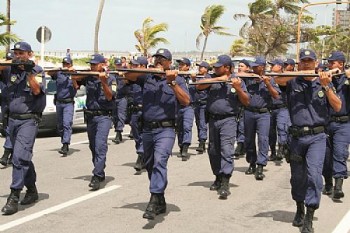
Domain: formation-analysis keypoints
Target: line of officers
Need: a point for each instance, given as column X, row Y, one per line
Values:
column 310, row 114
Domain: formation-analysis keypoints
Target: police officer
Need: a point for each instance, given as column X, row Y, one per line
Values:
column 200, row 104
column 289, row 65
column 136, row 116
column 26, row 99
column 338, row 130
column 185, row 115
column 161, row 95
column 243, row 67
column 257, row 118
column 309, row 101
column 6, row 158
column 224, row 100
column 121, row 102
column 66, row 89
column 100, row 92
column 279, row 119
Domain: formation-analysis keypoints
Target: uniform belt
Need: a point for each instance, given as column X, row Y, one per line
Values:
column 159, row 124
column 298, row 132
column 98, row 112
column 258, row 110
column 66, row 100
column 277, row 106
column 220, row 117
column 25, row 116
column 340, row 119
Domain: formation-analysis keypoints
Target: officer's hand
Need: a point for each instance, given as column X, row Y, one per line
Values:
column 266, row 79
column 170, row 75
column 236, row 82
column 193, row 75
column 102, row 76
column 223, row 78
column 325, row 78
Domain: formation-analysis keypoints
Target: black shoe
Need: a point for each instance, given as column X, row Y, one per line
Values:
column 138, row 164
column 307, row 226
column 338, row 189
column 273, row 156
column 96, row 182
column 259, row 175
column 64, row 149
column 155, row 206
column 31, row 196
column 299, row 215
column 217, row 183
column 239, row 149
column 180, row 154
column 118, row 138
column 6, row 158
column 280, row 151
column 11, row 205
column 185, row 155
column 251, row 169
column 224, row 190
column 328, row 187
column 201, row 147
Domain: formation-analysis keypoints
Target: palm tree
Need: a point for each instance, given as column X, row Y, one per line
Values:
column 208, row 25
column 7, row 38
column 146, row 36
column 97, row 25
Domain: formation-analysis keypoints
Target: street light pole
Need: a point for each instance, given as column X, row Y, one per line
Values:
column 301, row 13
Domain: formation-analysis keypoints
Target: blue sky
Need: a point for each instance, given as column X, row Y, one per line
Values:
column 72, row 22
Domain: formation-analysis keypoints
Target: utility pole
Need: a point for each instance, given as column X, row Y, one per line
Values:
column 8, row 26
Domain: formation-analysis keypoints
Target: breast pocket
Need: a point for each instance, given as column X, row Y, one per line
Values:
column 167, row 96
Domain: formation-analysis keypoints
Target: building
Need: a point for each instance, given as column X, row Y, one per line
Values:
column 341, row 17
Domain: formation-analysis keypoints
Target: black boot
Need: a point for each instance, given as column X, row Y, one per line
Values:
column 224, row 190
column 185, row 155
column 251, row 169
column 280, row 151
column 328, row 187
column 31, row 196
column 131, row 135
column 5, row 159
column 180, row 154
column 307, row 226
column 338, row 188
column 64, row 149
column 118, row 137
column 239, row 149
column 155, row 206
column 217, row 183
column 138, row 164
column 11, row 205
column 259, row 175
column 201, row 147
column 299, row 215
column 96, row 182
column 273, row 154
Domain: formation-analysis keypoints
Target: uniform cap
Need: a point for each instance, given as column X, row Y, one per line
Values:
column 23, row 46
column 184, row 60
column 307, row 53
column 97, row 59
column 336, row 56
column 203, row 64
column 163, row 53
column 223, row 60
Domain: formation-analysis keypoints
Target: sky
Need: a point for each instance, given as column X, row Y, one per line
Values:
column 72, row 22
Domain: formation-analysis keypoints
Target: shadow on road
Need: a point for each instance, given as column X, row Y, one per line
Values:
column 159, row 218
column 70, row 152
column 278, row 215
column 207, row 184
column 88, row 178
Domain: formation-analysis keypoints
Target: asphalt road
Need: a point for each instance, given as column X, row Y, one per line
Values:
column 67, row 205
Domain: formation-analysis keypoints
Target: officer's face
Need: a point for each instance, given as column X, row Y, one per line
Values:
column 258, row 69
column 66, row 65
column 183, row 67
column 289, row 67
column 162, row 63
column 276, row 68
column 242, row 68
column 335, row 64
column 307, row 64
column 97, row 67
column 219, row 71
column 202, row 70
column 22, row 55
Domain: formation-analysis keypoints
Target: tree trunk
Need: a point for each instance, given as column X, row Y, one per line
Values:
column 204, row 46
column 97, row 25
column 8, row 27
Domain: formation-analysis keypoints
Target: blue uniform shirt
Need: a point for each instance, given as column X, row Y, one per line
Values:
column 4, row 80
column 307, row 103
column 20, row 97
column 122, row 88
column 95, row 96
column 342, row 87
column 198, row 95
column 65, row 88
column 136, row 93
column 159, row 101
column 260, row 95
column 223, row 99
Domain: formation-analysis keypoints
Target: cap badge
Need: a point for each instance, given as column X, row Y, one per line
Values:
column 17, row 46
column 307, row 52
column 161, row 51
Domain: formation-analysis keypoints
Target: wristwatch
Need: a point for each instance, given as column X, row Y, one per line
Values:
column 173, row 83
column 325, row 88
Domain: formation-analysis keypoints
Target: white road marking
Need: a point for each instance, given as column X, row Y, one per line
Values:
column 344, row 225
column 50, row 210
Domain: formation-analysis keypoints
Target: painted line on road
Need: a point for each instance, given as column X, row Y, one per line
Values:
column 86, row 141
column 50, row 210
column 343, row 226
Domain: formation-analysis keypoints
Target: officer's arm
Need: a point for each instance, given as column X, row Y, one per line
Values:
column 273, row 92
column 181, row 95
column 132, row 76
column 333, row 99
column 34, row 84
column 106, row 88
column 282, row 81
column 200, row 87
column 242, row 95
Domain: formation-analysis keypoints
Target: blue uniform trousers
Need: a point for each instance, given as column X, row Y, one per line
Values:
column 7, row 144
column 202, row 128
column 256, row 123
column 98, row 129
column 222, row 136
column 119, row 114
column 280, row 119
column 157, row 144
column 184, row 125
column 306, row 162
column 23, row 133
column 240, row 129
column 337, row 150
column 137, row 131
column 65, row 112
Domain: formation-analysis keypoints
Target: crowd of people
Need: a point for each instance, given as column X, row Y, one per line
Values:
column 299, row 116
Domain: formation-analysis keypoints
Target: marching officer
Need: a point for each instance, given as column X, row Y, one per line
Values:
column 100, row 92
column 161, row 95
column 224, row 101
column 26, row 100
column 289, row 65
column 66, row 89
column 309, row 101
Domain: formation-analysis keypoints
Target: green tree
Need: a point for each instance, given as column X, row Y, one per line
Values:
column 238, row 47
column 147, row 36
column 208, row 25
column 97, row 25
column 7, row 38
